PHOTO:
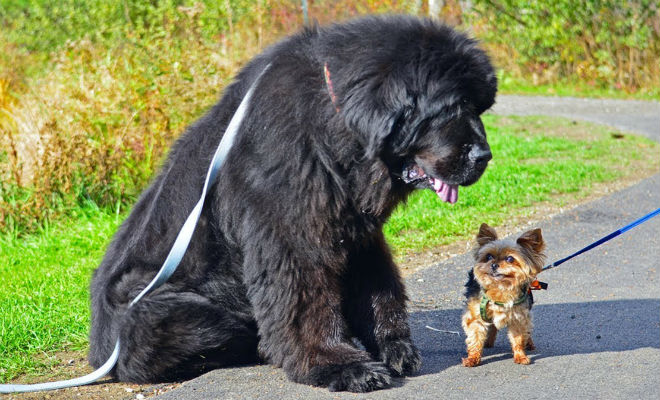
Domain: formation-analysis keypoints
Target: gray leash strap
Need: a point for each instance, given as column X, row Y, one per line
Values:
column 173, row 258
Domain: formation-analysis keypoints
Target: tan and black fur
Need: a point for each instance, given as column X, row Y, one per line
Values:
column 503, row 272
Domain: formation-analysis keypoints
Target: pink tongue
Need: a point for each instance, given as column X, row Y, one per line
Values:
column 446, row 192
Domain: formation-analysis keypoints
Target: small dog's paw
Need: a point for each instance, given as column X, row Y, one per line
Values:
column 401, row 356
column 521, row 359
column 471, row 361
column 353, row 377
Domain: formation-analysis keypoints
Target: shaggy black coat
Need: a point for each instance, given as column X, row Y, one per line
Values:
column 288, row 263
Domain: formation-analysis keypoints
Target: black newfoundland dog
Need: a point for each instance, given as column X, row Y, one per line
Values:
column 288, row 263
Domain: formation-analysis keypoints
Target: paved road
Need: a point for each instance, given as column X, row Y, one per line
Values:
column 641, row 117
column 597, row 328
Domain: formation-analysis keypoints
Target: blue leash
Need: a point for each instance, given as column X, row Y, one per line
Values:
column 604, row 239
column 173, row 258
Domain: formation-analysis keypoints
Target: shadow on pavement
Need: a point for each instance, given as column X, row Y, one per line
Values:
column 559, row 329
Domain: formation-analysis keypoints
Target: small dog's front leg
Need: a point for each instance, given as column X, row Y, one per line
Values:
column 476, row 332
column 520, row 339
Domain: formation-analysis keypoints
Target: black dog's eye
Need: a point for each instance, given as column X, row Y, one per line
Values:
column 510, row 259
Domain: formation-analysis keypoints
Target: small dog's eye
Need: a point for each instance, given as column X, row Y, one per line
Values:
column 510, row 259
column 489, row 257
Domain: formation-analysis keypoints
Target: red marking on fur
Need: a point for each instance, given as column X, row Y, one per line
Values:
column 328, row 83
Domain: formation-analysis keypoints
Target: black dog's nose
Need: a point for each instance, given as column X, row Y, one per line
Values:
column 494, row 266
column 480, row 155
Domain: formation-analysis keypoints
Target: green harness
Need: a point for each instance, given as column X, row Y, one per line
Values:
column 485, row 300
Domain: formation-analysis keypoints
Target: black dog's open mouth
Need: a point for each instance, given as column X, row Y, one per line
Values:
column 414, row 174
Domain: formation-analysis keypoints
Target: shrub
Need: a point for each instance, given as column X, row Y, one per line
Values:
column 118, row 82
column 605, row 43
column 92, row 93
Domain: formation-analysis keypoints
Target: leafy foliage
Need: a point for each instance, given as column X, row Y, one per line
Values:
column 601, row 42
column 93, row 93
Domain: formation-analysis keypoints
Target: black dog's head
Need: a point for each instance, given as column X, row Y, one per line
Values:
column 414, row 90
column 446, row 154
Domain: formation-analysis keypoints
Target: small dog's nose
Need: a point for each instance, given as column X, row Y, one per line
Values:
column 494, row 266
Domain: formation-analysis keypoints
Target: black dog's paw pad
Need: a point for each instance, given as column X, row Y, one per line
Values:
column 355, row 377
column 402, row 357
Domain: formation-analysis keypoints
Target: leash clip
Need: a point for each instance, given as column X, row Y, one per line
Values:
column 537, row 285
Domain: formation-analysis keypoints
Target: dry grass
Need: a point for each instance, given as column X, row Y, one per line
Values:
column 96, row 122
column 91, row 120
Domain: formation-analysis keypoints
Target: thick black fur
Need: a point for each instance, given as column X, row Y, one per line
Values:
column 288, row 262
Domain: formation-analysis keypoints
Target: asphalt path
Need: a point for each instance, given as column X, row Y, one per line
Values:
column 597, row 328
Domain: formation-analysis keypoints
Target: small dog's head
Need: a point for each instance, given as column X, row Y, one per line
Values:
column 504, row 264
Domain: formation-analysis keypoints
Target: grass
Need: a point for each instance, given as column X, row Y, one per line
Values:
column 90, row 98
column 44, row 276
column 43, row 289
column 509, row 84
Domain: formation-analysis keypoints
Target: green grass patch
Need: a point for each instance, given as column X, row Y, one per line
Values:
column 44, row 280
column 509, row 84
column 44, row 276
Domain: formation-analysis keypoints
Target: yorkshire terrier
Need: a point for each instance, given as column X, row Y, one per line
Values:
column 498, row 292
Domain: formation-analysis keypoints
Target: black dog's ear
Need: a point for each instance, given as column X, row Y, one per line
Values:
column 375, row 108
column 532, row 240
column 374, row 122
column 486, row 235
column 373, row 126
column 401, row 135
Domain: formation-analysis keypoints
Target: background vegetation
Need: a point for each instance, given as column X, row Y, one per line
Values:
column 606, row 47
column 92, row 92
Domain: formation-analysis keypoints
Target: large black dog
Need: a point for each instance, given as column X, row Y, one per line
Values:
column 288, row 263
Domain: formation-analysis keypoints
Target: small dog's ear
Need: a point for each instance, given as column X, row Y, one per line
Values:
column 532, row 240
column 486, row 234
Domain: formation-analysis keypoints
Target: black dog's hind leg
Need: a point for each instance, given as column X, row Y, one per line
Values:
column 376, row 310
column 170, row 336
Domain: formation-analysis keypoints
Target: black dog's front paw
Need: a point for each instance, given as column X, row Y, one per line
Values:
column 401, row 356
column 354, row 377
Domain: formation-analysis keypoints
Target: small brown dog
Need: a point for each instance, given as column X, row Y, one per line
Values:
column 498, row 292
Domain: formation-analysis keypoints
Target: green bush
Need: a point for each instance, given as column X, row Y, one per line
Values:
column 606, row 43
column 93, row 92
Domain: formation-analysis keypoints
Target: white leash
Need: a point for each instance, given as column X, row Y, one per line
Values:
column 173, row 258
